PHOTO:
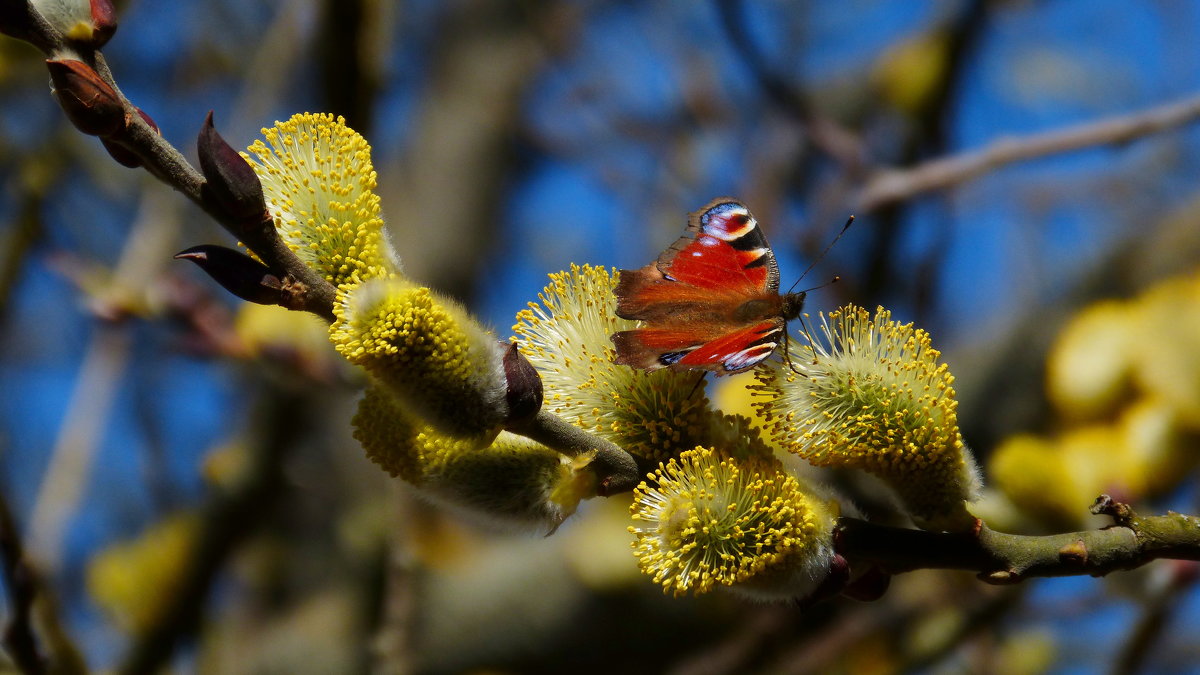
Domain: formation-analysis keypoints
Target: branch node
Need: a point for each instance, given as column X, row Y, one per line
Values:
column 293, row 293
column 1001, row 577
column 1120, row 512
column 1074, row 554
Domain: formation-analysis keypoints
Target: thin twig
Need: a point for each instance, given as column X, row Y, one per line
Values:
column 893, row 185
column 1156, row 614
column 311, row 292
column 227, row 521
column 616, row 469
column 835, row 141
column 20, row 582
column 79, row 437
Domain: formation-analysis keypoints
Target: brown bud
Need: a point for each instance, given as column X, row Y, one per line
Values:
column 123, row 155
column 524, row 395
column 149, row 120
column 833, row 583
column 869, row 586
column 238, row 273
column 231, row 183
column 104, row 23
column 91, row 105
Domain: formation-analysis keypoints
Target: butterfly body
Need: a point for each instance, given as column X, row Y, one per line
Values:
column 711, row 301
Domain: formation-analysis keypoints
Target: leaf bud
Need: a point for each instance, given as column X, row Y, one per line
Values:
column 231, row 183
column 238, row 273
column 90, row 103
column 524, row 392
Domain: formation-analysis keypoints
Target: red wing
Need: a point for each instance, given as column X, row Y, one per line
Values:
column 722, row 260
column 710, row 302
column 647, row 295
column 685, row 347
column 723, row 248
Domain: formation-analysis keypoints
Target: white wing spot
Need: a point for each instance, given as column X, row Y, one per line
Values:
column 749, row 356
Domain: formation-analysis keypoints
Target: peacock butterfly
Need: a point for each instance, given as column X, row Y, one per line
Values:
column 711, row 301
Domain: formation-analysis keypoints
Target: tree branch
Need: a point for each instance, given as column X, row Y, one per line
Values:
column 21, row 582
column 617, row 470
column 308, row 290
column 893, row 185
column 1001, row 558
column 227, row 521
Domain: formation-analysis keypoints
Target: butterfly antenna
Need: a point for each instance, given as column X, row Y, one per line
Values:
column 818, row 259
column 699, row 381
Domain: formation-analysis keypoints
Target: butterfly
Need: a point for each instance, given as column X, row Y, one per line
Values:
column 711, row 301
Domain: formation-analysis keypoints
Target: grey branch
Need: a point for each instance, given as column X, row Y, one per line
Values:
column 892, row 185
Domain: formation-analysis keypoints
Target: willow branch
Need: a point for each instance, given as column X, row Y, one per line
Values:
column 825, row 134
column 1001, row 558
column 893, row 185
column 306, row 289
column 617, row 470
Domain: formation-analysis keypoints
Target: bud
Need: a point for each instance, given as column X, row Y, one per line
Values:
column 524, row 394
column 91, row 105
column 231, row 182
column 85, row 22
column 868, row 586
column 104, row 22
column 238, row 273
column 149, row 120
column 123, row 155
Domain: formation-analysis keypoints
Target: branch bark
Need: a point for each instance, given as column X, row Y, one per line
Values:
column 310, row 291
column 888, row 186
column 20, row 581
column 1001, row 558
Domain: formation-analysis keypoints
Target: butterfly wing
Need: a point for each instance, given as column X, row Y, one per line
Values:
column 711, row 300
column 682, row 347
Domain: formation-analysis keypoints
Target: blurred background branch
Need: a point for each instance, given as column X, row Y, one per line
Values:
column 891, row 185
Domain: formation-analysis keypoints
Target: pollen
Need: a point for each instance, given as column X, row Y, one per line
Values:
column 428, row 351
column 705, row 521
column 873, row 395
column 319, row 185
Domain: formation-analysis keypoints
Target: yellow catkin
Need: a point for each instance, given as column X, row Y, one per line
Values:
column 131, row 580
column 706, row 520
column 510, row 479
column 319, row 185
column 428, row 351
column 653, row 415
column 873, row 396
